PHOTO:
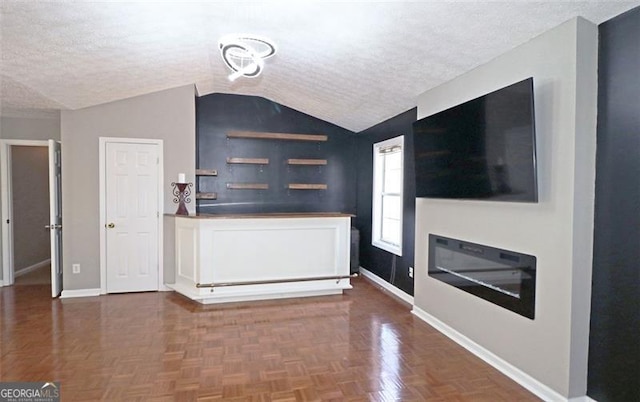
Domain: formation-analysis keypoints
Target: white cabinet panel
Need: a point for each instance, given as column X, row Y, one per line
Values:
column 232, row 252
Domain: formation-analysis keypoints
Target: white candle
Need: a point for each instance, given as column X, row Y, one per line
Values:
column 182, row 178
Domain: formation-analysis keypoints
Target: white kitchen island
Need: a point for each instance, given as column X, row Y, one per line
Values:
column 228, row 258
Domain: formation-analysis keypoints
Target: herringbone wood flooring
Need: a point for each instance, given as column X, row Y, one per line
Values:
column 361, row 346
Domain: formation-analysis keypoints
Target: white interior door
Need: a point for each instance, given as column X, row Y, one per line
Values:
column 132, row 217
column 7, row 214
column 55, row 216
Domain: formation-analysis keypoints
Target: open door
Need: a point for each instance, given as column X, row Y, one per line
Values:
column 55, row 216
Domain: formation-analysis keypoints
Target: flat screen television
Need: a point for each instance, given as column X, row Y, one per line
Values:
column 483, row 149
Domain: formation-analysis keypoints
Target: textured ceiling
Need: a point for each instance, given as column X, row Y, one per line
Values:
column 351, row 63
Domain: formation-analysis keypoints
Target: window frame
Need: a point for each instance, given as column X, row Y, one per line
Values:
column 378, row 195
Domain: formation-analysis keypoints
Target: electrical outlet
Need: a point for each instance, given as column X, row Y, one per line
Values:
column 75, row 268
column 410, row 272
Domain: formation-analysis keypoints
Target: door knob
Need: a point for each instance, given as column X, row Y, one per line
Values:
column 111, row 225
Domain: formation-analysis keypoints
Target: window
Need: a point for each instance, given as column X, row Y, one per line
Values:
column 388, row 160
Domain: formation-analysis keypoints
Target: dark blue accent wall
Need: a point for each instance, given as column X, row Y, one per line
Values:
column 348, row 173
column 378, row 261
column 216, row 114
column 614, row 344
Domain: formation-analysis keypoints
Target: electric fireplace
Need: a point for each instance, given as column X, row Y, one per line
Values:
column 503, row 277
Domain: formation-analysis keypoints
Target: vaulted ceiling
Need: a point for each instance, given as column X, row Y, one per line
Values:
column 352, row 63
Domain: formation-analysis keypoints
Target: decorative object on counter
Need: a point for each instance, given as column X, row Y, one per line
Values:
column 181, row 192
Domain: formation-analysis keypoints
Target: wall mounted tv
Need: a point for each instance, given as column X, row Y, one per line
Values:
column 483, row 149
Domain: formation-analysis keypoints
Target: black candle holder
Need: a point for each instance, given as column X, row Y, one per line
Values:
column 182, row 191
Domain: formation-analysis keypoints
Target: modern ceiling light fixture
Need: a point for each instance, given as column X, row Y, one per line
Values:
column 245, row 54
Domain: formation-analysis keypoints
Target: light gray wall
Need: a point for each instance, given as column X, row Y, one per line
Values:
column 30, row 128
column 583, row 204
column 37, row 127
column 169, row 249
column 557, row 230
column 30, row 192
column 167, row 115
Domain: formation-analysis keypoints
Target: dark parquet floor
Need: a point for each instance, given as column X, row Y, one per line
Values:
column 360, row 346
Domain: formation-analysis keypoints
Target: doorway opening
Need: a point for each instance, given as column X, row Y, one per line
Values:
column 30, row 231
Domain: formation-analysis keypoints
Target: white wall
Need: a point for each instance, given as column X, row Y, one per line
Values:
column 167, row 115
column 558, row 229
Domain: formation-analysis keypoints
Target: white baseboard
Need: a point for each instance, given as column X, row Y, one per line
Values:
column 387, row 286
column 68, row 294
column 536, row 387
column 31, row 268
column 1, row 283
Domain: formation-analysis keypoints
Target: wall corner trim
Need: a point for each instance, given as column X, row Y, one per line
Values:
column 534, row 386
column 68, row 294
column 387, row 286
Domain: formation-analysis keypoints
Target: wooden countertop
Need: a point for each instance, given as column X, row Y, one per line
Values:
column 266, row 215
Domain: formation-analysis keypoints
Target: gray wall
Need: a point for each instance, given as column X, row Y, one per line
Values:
column 557, row 230
column 37, row 127
column 30, row 191
column 30, row 128
column 167, row 115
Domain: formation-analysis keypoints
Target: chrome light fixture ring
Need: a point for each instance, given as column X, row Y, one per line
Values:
column 245, row 54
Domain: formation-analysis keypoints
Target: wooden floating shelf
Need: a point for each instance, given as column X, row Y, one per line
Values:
column 301, row 186
column 206, row 172
column 247, row 186
column 308, row 162
column 248, row 161
column 206, row 196
column 276, row 136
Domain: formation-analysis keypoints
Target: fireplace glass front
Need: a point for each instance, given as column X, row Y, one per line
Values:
column 503, row 277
